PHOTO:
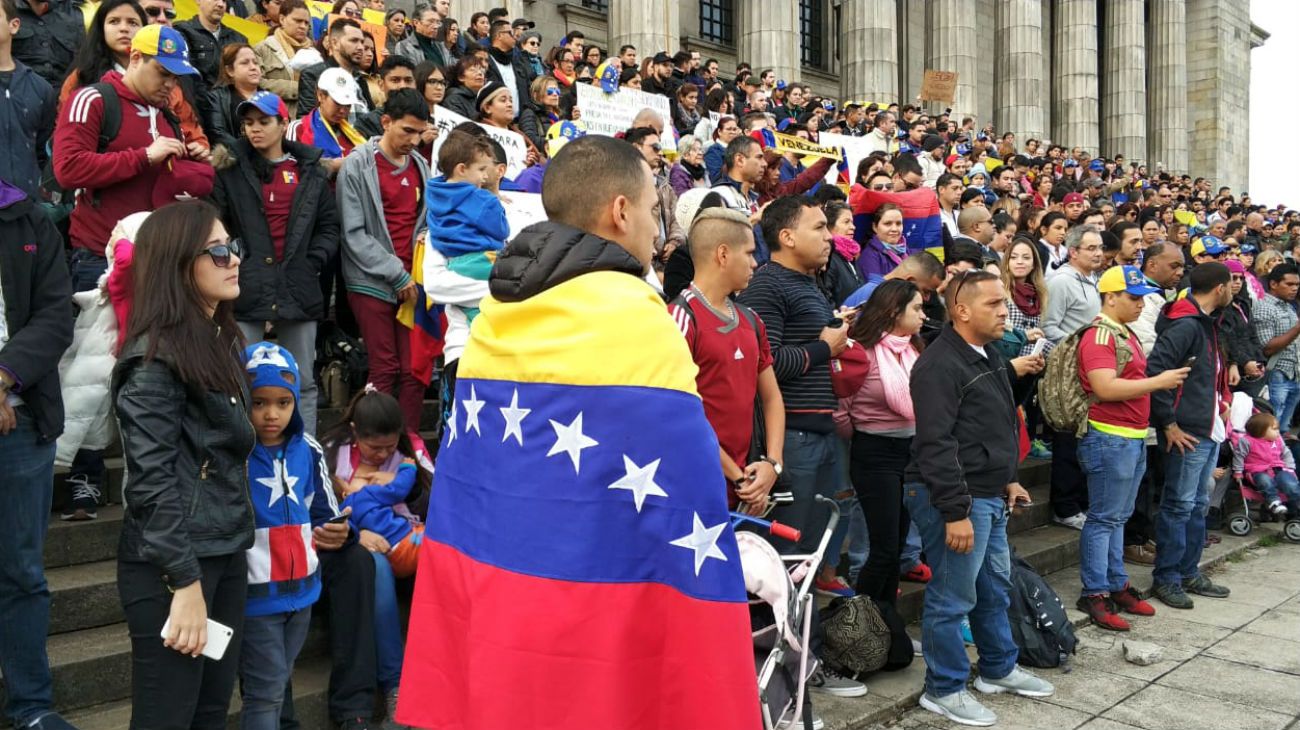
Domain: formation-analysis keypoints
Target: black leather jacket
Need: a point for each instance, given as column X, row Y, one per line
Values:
column 186, row 487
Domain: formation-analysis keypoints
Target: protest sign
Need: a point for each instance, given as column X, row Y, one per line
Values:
column 855, row 149
column 938, row 86
column 515, row 146
column 609, row 114
column 522, row 210
column 798, row 145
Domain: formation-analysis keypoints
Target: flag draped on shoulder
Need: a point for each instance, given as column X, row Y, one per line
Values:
column 578, row 568
column 425, row 319
column 922, row 226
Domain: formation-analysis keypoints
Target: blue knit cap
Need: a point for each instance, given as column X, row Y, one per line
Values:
column 268, row 364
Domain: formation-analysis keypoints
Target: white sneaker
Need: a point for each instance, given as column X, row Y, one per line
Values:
column 828, row 681
column 1277, row 508
column 789, row 722
column 961, row 707
column 916, row 648
column 1074, row 522
column 1020, row 681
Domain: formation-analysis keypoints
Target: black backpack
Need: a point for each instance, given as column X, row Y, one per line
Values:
column 1042, row 631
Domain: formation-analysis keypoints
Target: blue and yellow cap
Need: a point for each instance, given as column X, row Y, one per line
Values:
column 1128, row 279
column 167, row 46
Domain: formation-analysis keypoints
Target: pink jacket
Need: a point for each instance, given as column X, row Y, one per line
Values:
column 119, row 285
column 1251, row 455
column 867, row 410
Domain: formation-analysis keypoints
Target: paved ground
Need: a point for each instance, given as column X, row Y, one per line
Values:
column 1232, row 663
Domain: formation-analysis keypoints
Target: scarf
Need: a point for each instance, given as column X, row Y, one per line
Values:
column 1025, row 295
column 317, row 132
column 895, row 356
column 847, row 247
column 696, row 171
column 534, row 62
column 898, row 249
column 289, row 46
column 565, row 81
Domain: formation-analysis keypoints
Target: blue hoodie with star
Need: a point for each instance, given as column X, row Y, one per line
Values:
column 289, row 485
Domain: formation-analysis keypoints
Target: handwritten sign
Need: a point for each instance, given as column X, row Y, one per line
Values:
column 610, row 114
column 514, row 144
column 800, row 146
column 938, row 86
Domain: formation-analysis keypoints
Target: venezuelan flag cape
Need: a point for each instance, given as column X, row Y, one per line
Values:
column 425, row 319
column 921, row 224
column 577, row 569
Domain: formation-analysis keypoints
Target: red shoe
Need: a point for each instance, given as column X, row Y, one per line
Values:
column 1102, row 612
column 1129, row 601
column 920, row 574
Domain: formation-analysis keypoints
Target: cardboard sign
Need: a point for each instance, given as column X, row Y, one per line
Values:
column 515, row 146
column 610, row 114
column 938, row 86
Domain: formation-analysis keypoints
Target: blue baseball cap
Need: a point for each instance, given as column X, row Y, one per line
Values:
column 1070, row 162
column 780, row 84
column 1208, row 245
column 167, row 46
column 608, row 73
column 1127, row 279
column 1249, row 248
column 265, row 102
column 1097, row 165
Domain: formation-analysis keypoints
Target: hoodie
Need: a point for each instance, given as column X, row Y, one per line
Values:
column 289, row 486
column 467, row 227
column 1184, row 331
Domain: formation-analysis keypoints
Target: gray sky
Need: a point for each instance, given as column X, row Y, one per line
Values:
column 1275, row 103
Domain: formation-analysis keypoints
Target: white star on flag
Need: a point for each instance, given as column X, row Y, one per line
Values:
column 640, row 480
column 514, row 416
column 451, row 423
column 279, row 482
column 704, row 541
column 571, row 440
column 472, row 406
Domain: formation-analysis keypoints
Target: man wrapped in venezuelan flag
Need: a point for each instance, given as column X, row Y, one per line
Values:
column 578, row 569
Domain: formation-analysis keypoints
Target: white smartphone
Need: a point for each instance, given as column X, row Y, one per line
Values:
column 219, row 636
column 1039, row 346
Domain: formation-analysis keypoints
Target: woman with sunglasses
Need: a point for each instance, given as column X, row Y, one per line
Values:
column 347, row 9
column 285, row 52
column 181, row 402
column 530, row 49
column 467, row 77
column 546, row 93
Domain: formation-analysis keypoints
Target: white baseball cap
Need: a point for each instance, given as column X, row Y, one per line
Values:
column 340, row 85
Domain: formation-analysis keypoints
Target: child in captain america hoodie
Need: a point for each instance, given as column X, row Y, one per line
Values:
column 289, row 487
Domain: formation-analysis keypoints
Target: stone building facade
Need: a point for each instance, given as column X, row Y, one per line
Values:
column 1160, row 81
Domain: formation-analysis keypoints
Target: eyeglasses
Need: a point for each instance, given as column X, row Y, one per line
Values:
column 153, row 11
column 222, row 253
column 352, row 13
column 552, row 91
column 437, row 83
column 881, row 187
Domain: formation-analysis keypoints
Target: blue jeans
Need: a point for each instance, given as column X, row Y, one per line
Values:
column 1269, row 484
column 852, row 526
column 1114, row 466
column 271, row 645
column 975, row 584
column 24, row 597
column 910, row 557
column 811, row 468
column 388, row 626
column 1180, row 524
column 1283, row 395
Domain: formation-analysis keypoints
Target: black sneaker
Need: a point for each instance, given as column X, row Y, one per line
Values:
column 1202, row 586
column 1172, row 595
column 49, row 721
column 85, row 499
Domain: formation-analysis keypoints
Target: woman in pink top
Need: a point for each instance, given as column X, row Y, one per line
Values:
column 883, row 425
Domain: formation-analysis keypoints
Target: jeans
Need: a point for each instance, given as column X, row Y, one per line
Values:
column 85, row 269
column 859, row 548
column 877, row 469
column 24, row 597
column 1180, row 524
column 1269, row 484
column 810, row 469
column 271, row 645
column 388, row 352
column 299, row 338
column 911, row 554
column 1114, row 466
column 1283, row 395
column 851, row 526
column 388, row 626
column 975, row 584
column 1141, row 524
column 171, row 691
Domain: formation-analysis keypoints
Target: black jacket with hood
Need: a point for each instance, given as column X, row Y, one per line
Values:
column 288, row 289
column 1184, row 331
column 37, row 289
column 547, row 254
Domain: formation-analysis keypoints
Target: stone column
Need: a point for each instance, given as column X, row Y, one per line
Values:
column 650, row 25
column 768, row 36
column 1124, row 85
column 1167, row 93
column 1074, row 85
column 1018, row 69
column 870, row 69
column 952, row 48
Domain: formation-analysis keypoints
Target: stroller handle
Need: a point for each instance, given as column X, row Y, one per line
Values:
column 775, row 529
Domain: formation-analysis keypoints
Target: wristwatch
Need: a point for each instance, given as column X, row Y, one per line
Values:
column 776, row 465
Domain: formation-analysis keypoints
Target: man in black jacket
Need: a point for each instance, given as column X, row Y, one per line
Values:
column 1190, row 423
column 346, row 43
column 960, row 488
column 48, row 37
column 35, row 329
column 206, row 36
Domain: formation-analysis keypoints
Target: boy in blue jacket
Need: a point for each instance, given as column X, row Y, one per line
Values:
column 289, row 487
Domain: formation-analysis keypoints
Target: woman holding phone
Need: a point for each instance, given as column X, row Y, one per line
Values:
column 181, row 402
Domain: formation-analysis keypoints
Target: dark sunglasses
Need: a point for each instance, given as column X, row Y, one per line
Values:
column 154, row 12
column 881, row 188
column 552, row 91
column 222, row 253
column 352, row 13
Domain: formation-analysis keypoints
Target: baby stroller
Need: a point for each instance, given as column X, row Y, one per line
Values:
column 780, row 588
column 1242, row 522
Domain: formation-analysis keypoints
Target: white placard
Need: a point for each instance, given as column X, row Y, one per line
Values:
column 515, row 145
column 855, row 149
column 609, row 114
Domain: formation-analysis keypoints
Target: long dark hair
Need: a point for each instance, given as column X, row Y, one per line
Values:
column 168, row 310
column 373, row 413
column 881, row 312
column 93, row 58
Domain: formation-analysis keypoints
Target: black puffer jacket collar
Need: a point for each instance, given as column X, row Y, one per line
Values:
column 547, row 254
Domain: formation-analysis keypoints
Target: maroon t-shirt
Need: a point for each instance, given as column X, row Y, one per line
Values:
column 400, row 190
column 277, row 200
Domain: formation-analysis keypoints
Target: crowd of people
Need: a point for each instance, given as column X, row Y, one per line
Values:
column 220, row 212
